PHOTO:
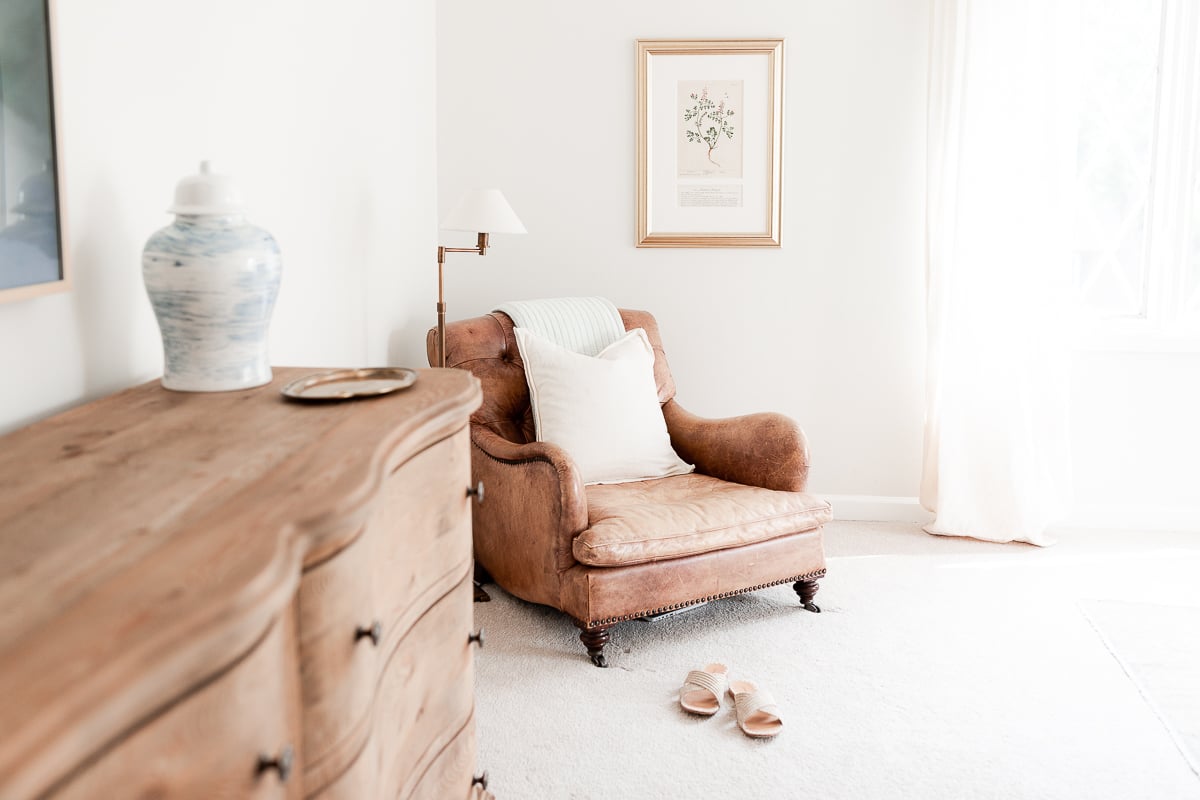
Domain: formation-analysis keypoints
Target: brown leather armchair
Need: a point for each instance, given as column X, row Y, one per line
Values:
column 607, row 553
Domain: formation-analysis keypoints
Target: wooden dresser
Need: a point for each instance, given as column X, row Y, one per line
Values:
column 236, row 596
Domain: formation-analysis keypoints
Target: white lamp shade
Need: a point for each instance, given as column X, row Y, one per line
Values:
column 482, row 211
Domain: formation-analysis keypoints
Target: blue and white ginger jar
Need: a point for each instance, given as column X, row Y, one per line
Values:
column 212, row 279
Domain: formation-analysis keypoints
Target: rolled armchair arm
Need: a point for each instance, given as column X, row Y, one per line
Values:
column 767, row 450
column 534, row 508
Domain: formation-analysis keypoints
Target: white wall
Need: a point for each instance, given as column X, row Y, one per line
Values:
column 1135, row 437
column 325, row 112
column 537, row 98
column 327, row 116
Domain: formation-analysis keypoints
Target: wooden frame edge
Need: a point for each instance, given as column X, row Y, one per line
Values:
column 773, row 48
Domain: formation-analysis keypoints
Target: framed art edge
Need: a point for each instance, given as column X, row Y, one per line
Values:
column 640, row 143
column 65, row 283
column 773, row 47
column 706, row 240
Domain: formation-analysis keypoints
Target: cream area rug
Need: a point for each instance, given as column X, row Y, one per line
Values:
column 940, row 668
column 1159, row 649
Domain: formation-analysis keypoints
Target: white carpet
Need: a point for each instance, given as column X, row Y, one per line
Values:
column 940, row 668
column 1159, row 649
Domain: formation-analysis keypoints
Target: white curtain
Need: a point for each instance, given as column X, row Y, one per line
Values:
column 1001, row 167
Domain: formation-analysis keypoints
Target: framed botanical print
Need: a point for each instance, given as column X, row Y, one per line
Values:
column 32, row 261
column 709, row 142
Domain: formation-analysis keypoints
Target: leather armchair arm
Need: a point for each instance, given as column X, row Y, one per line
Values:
column 767, row 450
column 534, row 507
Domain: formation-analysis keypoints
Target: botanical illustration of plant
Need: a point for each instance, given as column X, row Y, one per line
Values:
column 708, row 122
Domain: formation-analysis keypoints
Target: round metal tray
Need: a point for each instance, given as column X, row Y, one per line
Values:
column 349, row 384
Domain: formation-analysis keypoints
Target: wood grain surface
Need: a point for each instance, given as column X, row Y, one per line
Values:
column 207, row 746
column 151, row 539
column 424, row 699
column 451, row 770
column 416, row 547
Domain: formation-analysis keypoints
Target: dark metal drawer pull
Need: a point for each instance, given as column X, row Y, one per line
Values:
column 281, row 763
column 480, row 780
column 477, row 492
column 374, row 633
column 476, row 638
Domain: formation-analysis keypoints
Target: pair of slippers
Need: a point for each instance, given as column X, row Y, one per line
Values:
column 757, row 713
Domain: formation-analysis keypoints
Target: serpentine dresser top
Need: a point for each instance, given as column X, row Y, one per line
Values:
column 230, row 594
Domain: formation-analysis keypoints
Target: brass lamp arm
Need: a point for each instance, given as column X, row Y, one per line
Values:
column 481, row 246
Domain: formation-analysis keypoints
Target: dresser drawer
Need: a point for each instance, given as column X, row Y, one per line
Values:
column 339, row 659
column 420, row 533
column 208, row 744
column 356, row 606
column 452, row 772
column 428, row 693
column 425, row 697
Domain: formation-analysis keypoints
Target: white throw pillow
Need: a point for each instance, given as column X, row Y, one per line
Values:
column 603, row 411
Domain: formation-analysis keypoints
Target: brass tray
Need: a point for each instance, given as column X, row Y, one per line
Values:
column 349, row 384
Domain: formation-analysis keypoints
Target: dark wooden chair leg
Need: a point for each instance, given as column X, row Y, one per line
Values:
column 594, row 640
column 807, row 591
column 481, row 577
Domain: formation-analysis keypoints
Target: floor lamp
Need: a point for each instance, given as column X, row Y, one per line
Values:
column 483, row 211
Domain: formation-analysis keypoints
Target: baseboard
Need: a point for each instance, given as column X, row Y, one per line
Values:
column 877, row 508
column 882, row 508
column 1133, row 518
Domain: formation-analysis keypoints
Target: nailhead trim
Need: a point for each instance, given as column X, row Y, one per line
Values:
column 514, row 462
column 614, row 620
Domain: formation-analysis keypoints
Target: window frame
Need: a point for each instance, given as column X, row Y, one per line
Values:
column 1163, row 325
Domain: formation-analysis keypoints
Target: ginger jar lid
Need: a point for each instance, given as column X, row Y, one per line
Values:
column 207, row 192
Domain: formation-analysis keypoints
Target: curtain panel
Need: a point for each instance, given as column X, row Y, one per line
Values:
column 1001, row 165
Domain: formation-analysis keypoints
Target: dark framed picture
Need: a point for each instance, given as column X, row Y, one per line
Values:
column 32, row 259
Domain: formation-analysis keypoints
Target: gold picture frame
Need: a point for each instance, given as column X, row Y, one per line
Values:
column 33, row 257
column 709, row 142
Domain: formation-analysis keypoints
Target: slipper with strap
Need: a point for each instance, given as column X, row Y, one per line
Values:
column 757, row 713
column 702, row 689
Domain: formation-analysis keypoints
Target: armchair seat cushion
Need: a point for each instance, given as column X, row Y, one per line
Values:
column 686, row 515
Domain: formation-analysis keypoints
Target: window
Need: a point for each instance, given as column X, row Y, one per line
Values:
column 1137, row 257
